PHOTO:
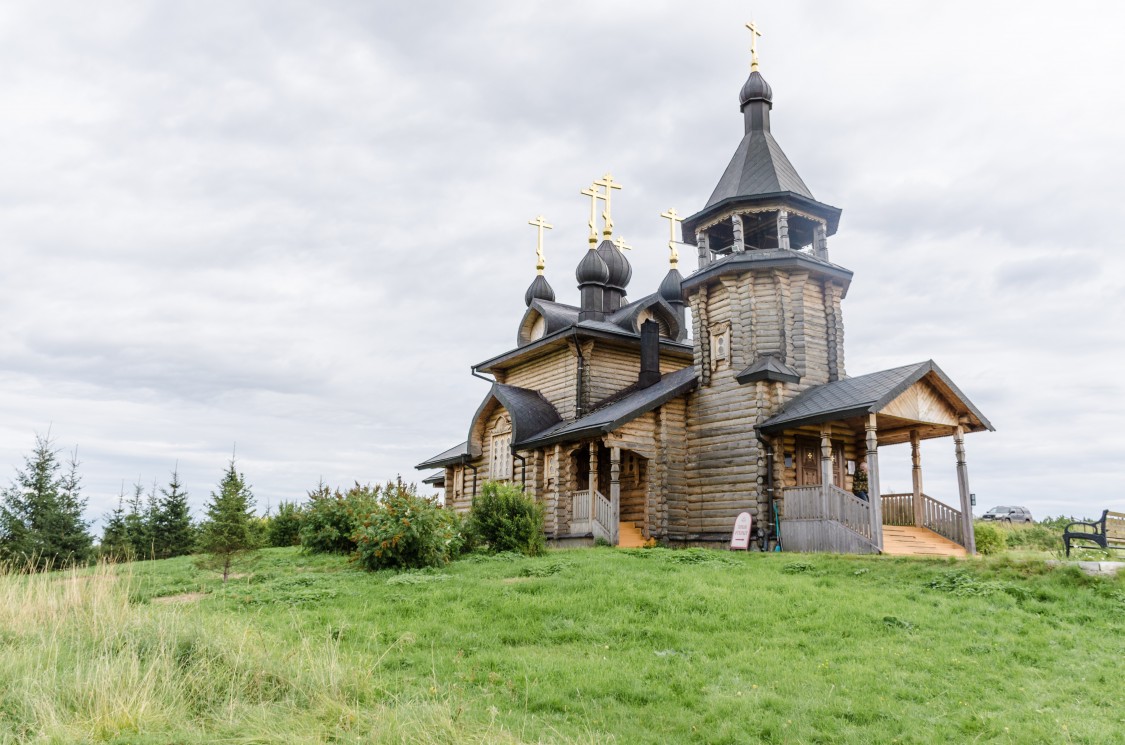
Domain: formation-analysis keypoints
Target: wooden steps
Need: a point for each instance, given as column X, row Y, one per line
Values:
column 901, row 540
column 629, row 536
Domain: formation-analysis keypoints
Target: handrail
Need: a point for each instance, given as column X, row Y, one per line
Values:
column 580, row 512
column 602, row 524
column 942, row 519
column 898, row 509
column 831, row 503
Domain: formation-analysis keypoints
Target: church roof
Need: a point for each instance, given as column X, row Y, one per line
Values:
column 864, row 394
column 437, row 478
column 758, row 167
column 530, row 412
column 620, row 411
column 767, row 367
column 454, row 455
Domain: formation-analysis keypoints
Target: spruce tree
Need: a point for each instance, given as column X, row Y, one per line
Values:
column 227, row 534
column 41, row 522
column 115, row 538
column 175, row 534
column 137, row 528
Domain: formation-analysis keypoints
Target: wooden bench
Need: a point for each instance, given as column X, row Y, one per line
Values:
column 1109, row 532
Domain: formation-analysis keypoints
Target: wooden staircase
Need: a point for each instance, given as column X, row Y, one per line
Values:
column 629, row 536
column 900, row 540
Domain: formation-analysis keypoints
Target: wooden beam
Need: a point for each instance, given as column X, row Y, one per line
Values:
column 615, row 494
column 916, row 473
column 963, row 485
column 872, row 430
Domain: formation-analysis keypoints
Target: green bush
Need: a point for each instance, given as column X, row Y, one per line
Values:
column 330, row 519
column 284, row 528
column 505, row 519
column 1037, row 537
column 406, row 531
column 989, row 538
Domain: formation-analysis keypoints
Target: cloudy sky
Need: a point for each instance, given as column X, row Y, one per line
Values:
column 292, row 227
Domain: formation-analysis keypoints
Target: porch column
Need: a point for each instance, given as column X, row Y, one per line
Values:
column 593, row 470
column 736, row 228
column 825, row 468
column 873, row 494
column 963, row 486
column 916, row 459
column 615, row 494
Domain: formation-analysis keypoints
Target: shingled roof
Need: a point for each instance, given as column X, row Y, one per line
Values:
column 865, row 394
column 758, row 167
column 619, row 412
column 454, row 455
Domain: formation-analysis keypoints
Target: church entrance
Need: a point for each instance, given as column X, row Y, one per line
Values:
column 808, row 463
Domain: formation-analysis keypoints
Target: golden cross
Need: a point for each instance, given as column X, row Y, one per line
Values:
column 672, row 217
column 540, row 260
column 754, row 34
column 594, row 195
column 620, row 243
column 609, row 185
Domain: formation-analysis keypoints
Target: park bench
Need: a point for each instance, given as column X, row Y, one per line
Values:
column 1109, row 532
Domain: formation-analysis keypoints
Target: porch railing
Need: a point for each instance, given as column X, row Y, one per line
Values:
column 898, row 509
column 592, row 512
column 832, row 503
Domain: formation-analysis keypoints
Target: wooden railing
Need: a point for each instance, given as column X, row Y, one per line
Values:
column 833, row 503
column 898, row 509
column 591, row 512
column 942, row 519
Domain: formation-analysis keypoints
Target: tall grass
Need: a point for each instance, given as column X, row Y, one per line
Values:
column 79, row 662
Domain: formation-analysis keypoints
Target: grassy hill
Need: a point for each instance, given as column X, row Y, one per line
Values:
column 594, row 645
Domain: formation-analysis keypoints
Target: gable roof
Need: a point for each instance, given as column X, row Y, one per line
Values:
column 618, row 412
column 767, row 367
column 529, row 410
column 865, row 394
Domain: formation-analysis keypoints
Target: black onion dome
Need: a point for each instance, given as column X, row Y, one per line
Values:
column 620, row 271
column 671, row 288
column 755, row 89
column 592, row 270
column 539, row 289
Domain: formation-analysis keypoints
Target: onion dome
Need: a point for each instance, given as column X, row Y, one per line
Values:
column 539, row 289
column 620, row 271
column 670, row 289
column 592, row 270
column 755, row 89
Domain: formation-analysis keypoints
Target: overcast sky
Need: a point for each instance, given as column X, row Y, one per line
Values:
column 294, row 226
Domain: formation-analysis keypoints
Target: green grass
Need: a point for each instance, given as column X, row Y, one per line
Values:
column 596, row 645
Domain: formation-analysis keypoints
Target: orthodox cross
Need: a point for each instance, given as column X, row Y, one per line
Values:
column 594, row 196
column 540, row 260
column 754, row 34
column 672, row 217
column 609, row 185
column 620, row 243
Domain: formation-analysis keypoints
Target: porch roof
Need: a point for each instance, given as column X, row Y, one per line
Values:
column 618, row 412
column 870, row 394
column 454, row 455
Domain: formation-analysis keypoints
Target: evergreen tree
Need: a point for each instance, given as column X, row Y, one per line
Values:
column 227, row 534
column 137, row 528
column 115, row 536
column 175, row 534
column 41, row 521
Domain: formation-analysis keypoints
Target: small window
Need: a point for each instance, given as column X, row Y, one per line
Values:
column 720, row 346
column 501, row 465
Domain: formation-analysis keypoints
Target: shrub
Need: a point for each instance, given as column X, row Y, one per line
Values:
column 406, row 531
column 285, row 527
column 1038, row 537
column 506, row 519
column 331, row 518
column 989, row 539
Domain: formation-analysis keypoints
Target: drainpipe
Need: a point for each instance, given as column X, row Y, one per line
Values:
column 523, row 469
column 579, row 410
column 470, row 465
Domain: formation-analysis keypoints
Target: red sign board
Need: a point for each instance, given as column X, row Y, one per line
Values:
column 740, row 539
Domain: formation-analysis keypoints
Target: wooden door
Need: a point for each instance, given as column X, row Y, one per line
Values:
column 808, row 463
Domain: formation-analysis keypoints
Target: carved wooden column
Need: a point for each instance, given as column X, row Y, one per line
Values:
column 703, row 244
column 593, row 469
column 615, row 494
column 736, row 225
column 963, row 487
column 825, row 467
column 916, row 460
column 820, row 242
column 783, row 229
column 873, row 481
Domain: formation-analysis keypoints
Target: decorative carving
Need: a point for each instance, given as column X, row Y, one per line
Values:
column 783, row 229
column 736, row 225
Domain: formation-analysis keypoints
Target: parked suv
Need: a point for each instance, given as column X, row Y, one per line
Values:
column 1008, row 515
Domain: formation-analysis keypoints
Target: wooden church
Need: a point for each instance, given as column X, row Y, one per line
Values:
column 630, row 427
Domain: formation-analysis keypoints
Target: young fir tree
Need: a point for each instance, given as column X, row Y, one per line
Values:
column 228, row 534
column 41, row 523
column 175, row 534
column 115, row 537
column 138, row 529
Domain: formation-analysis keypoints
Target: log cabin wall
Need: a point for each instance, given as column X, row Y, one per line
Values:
column 555, row 375
column 668, row 478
